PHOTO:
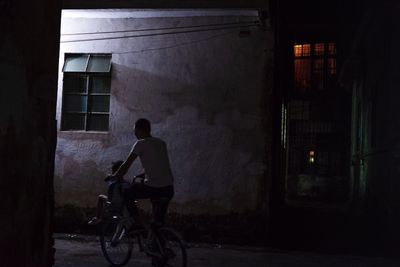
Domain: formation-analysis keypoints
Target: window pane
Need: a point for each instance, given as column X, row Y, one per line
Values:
column 100, row 84
column 97, row 122
column 318, row 65
column 75, row 84
column 75, row 63
column 75, row 103
column 306, row 50
column 298, row 50
column 99, row 104
column 332, row 66
column 318, row 74
column 302, row 72
column 332, row 48
column 73, row 122
column 99, row 63
column 319, row 49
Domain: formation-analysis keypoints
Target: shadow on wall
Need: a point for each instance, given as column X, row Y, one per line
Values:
column 202, row 122
column 154, row 96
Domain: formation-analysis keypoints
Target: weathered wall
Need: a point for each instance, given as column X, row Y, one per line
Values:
column 377, row 122
column 29, row 35
column 383, row 177
column 205, row 94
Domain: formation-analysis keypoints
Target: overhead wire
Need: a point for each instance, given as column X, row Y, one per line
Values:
column 176, row 45
column 160, row 34
column 159, row 29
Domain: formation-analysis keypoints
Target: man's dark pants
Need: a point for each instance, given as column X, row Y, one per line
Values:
column 159, row 196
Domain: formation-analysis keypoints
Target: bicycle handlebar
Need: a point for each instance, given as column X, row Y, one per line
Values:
column 139, row 176
column 142, row 176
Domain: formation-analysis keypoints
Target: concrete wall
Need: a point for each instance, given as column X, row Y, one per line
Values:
column 383, row 185
column 206, row 94
column 377, row 122
column 29, row 35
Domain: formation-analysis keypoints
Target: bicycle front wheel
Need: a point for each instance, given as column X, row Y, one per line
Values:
column 173, row 248
column 116, row 243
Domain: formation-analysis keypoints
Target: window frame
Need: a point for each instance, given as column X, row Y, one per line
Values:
column 88, row 76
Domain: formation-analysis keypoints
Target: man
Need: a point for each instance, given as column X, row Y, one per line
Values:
column 153, row 155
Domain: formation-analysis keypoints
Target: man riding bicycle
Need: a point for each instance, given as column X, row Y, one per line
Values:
column 158, row 184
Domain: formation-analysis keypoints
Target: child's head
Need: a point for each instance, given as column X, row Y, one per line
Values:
column 116, row 165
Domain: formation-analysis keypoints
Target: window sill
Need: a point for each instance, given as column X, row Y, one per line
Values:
column 83, row 134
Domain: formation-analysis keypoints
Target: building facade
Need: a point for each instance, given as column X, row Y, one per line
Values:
column 202, row 77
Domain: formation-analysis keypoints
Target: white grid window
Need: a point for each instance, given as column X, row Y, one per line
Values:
column 86, row 92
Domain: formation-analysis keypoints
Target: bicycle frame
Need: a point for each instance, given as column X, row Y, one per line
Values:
column 154, row 240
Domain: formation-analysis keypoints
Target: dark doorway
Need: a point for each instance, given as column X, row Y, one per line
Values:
column 311, row 190
column 317, row 128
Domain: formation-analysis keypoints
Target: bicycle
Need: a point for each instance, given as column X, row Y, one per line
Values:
column 163, row 245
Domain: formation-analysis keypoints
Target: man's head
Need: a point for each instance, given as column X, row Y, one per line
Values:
column 142, row 128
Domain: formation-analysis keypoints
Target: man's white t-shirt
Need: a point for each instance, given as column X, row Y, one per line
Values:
column 153, row 154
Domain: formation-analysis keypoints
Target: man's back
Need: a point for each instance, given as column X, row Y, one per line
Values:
column 153, row 154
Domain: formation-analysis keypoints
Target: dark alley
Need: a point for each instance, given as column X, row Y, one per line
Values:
column 259, row 132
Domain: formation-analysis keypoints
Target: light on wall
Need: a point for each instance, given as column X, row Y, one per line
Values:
column 311, row 156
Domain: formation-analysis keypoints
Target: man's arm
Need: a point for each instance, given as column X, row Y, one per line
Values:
column 123, row 169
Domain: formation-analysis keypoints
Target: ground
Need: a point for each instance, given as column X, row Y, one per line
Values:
column 84, row 251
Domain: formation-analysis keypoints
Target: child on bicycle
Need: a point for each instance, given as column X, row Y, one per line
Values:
column 115, row 192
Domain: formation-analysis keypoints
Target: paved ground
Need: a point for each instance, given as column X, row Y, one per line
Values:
column 83, row 251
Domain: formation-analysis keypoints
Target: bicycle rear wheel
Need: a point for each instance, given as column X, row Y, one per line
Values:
column 116, row 243
column 173, row 248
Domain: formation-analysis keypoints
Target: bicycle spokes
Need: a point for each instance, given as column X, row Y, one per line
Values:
column 165, row 246
column 173, row 249
column 115, row 243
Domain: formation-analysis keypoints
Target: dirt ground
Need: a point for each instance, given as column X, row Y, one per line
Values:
column 84, row 251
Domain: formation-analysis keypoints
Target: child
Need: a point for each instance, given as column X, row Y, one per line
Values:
column 114, row 192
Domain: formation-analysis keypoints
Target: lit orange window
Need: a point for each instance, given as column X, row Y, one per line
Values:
column 302, row 50
column 314, row 65
column 298, row 50
column 332, row 48
column 306, row 50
